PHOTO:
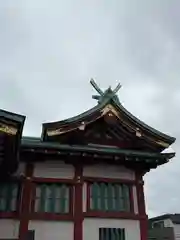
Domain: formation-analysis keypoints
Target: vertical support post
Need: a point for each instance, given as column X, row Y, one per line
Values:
column 141, row 206
column 25, row 202
column 78, row 209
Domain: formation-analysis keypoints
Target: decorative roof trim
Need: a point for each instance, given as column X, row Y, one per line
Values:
column 7, row 129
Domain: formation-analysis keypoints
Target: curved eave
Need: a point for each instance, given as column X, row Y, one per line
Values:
column 76, row 118
column 73, row 120
column 168, row 140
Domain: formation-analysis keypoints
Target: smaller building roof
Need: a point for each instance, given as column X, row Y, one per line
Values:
column 12, row 116
column 175, row 218
column 11, row 127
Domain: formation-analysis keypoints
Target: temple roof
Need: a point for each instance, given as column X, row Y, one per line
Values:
column 108, row 104
column 107, row 132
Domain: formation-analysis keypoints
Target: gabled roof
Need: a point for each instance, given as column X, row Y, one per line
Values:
column 116, row 122
column 175, row 218
column 108, row 103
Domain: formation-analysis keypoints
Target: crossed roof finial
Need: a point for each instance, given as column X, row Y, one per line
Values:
column 96, row 87
column 101, row 93
column 117, row 88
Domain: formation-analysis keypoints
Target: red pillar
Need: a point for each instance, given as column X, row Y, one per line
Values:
column 141, row 207
column 78, row 204
column 26, row 202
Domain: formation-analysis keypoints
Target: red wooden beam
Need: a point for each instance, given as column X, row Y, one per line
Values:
column 78, row 204
column 109, row 180
column 141, row 206
column 53, row 180
column 119, row 215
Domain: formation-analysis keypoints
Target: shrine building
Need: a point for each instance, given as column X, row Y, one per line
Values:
column 82, row 179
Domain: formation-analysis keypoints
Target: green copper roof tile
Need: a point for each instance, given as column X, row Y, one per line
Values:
column 34, row 143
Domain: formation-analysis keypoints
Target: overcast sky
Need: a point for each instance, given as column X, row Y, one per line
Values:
column 49, row 50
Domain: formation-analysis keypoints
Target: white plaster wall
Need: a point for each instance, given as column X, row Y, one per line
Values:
column 108, row 171
column 136, row 210
column 9, row 228
column 177, row 231
column 53, row 170
column 52, row 230
column 91, row 228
